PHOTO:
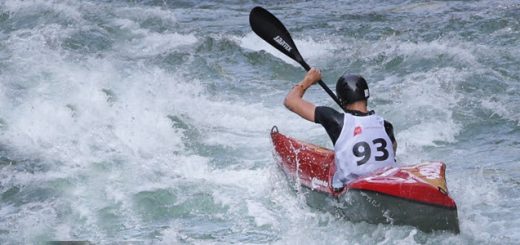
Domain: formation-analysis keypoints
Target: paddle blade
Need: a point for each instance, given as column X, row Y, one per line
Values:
column 269, row 28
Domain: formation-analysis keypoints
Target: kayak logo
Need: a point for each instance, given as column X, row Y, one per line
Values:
column 280, row 41
column 357, row 130
column 315, row 183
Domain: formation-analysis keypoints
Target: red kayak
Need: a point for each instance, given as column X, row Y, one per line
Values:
column 409, row 195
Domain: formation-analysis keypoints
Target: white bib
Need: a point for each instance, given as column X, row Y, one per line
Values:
column 362, row 147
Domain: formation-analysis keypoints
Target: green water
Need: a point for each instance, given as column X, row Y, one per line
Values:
column 148, row 121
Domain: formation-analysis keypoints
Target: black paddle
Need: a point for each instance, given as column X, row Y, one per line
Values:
column 269, row 28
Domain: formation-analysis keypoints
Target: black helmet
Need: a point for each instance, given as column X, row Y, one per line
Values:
column 351, row 88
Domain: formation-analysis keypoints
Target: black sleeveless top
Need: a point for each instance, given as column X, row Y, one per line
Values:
column 332, row 121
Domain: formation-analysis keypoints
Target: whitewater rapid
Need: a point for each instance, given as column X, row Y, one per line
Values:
column 148, row 121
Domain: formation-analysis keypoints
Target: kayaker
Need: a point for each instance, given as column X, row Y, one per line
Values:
column 363, row 141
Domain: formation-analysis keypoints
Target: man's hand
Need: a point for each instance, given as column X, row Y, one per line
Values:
column 311, row 78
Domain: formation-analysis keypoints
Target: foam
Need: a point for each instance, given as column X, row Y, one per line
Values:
column 66, row 8
column 101, row 123
column 157, row 43
column 172, row 235
column 68, row 122
column 261, row 214
column 421, row 8
column 462, row 52
column 474, row 222
column 503, row 107
column 145, row 12
column 422, row 109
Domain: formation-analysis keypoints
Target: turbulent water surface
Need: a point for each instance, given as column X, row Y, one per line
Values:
column 148, row 120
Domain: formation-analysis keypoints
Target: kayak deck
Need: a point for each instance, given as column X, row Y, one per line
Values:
column 410, row 195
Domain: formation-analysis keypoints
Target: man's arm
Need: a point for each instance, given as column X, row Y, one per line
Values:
column 294, row 100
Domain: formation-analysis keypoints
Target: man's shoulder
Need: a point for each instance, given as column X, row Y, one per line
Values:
column 326, row 109
column 324, row 112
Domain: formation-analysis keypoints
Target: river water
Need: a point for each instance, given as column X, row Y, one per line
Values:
column 149, row 121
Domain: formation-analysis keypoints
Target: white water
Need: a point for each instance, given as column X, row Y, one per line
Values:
column 143, row 122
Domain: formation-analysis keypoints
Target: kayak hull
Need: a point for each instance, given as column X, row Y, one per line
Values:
column 376, row 208
column 414, row 195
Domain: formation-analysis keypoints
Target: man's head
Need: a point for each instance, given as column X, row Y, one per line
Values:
column 351, row 88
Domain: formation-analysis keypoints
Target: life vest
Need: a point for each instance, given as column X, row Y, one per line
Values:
column 362, row 147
